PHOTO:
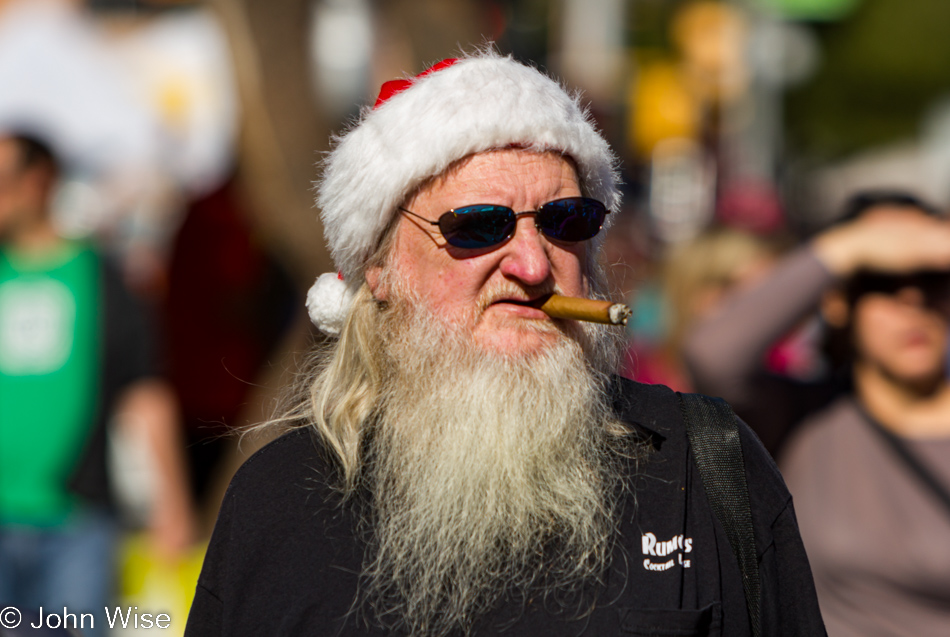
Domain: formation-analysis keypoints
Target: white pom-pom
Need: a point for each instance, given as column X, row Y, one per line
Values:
column 328, row 303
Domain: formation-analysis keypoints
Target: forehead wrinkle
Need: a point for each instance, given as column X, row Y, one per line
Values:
column 531, row 182
column 511, row 183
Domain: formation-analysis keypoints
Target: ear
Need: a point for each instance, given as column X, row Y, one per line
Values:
column 834, row 308
column 373, row 275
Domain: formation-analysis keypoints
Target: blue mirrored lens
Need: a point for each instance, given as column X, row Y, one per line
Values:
column 572, row 219
column 478, row 226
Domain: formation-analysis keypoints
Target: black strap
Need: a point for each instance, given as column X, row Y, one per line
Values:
column 910, row 460
column 713, row 432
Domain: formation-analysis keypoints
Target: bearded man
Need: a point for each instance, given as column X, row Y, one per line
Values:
column 459, row 462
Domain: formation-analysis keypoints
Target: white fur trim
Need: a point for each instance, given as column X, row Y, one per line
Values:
column 328, row 303
column 481, row 102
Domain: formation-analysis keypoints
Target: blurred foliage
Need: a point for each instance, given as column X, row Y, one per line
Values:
column 524, row 29
column 810, row 9
column 881, row 69
column 648, row 22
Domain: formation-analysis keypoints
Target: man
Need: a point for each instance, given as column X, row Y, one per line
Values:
column 460, row 463
column 74, row 351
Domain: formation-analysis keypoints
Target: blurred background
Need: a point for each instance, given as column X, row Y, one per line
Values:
column 191, row 133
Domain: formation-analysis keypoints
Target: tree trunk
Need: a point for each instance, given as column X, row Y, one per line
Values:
column 283, row 129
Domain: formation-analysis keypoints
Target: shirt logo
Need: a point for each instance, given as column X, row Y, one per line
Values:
column 37, row 323
column 664, row 555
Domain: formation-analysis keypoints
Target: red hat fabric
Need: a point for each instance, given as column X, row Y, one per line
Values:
column 392, row 87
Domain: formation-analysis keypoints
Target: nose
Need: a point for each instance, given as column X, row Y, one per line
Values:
column 525, row 257
column 912, row 295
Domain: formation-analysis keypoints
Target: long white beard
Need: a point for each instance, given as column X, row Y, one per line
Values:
column 490, row 474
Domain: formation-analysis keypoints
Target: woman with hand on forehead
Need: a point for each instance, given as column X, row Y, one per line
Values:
column 866, row 451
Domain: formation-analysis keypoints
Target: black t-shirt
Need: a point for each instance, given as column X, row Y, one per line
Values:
column 285, row 557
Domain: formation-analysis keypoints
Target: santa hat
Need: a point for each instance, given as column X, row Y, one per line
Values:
column 418, row 127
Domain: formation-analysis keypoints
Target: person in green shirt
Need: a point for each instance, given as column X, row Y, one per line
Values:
column 75, row 350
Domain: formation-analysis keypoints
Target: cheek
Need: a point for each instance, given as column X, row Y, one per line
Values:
column 872, row 327
column 6, row 200
column 938, row 327
column 570, row 269
column 455, row 284
column 442, row 282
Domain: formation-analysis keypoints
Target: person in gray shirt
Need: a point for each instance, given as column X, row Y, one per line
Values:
column 877, row 535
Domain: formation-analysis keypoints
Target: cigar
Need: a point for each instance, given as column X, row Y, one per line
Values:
column 566, row 307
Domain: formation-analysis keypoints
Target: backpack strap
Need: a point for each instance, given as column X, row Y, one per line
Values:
column 713, row 432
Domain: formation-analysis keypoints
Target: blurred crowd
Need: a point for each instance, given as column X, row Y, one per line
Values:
column 156, row 233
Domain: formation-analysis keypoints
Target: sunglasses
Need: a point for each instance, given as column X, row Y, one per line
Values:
column 567, row 220
column 934, row 285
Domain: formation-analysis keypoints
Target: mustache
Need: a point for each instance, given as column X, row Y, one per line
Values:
column 511, row 291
